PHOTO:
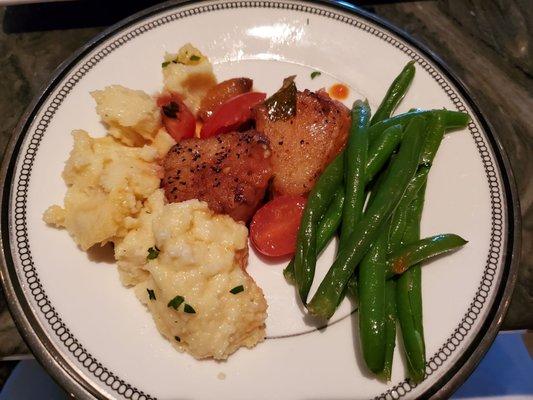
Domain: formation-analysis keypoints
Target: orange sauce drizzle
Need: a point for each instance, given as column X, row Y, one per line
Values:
column 339, row 91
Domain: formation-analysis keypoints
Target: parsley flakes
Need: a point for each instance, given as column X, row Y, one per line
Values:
column 314, row 74
column 237, row 289
column 188, row 309
column 153, row 252
column 151, row 294
column 194, row 58
column 175, row 303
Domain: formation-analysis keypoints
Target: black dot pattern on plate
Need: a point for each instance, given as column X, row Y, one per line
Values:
column 106, row 376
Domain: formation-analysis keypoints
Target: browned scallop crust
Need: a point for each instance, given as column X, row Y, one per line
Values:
column 221, row 93
column 230, row 172
column 305, row 144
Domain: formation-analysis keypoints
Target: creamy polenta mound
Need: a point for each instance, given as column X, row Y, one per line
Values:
column 184, row 262
column 193, row 282
column 107, row 184
column 189, row 73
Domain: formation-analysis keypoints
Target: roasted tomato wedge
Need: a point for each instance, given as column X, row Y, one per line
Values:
column 222, row 92
column 232, row 114
column 274, row 227
column 177, row 118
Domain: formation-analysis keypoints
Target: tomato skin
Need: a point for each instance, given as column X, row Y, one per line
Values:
column 274, row 227
column 183, row 126
column 231, row 114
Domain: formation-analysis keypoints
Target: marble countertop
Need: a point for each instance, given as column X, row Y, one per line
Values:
column 488, row 44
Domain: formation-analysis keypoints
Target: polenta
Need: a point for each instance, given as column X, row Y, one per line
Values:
column 186, row 263
column 200, row 258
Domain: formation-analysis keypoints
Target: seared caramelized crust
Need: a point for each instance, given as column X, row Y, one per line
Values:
column 305, row 144
column 230, row 172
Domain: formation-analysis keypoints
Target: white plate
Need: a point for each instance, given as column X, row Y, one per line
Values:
column 94, row 335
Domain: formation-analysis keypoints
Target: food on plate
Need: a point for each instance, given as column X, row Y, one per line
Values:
column 132, row 116
column 395, row 93
column 317, row 204
column 186, row 263
column 107, row 183
column 274, row 226
column 232, row 115
column 305, row 143
column 339, row 91
column 189, row 74
column 381, row 239
column 177, row 119
column 222, row 92
column 181, row 172
column 230, row 172
column 188, row 266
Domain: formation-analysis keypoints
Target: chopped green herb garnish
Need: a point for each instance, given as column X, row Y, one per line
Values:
column 176, row 302
column 314, row 74
column 178, row 339
column 194, row 58
column 237, row 289
column 171, row 109
column 151, row 294
column 153, row 252
column 163, row 65
column 188, row 309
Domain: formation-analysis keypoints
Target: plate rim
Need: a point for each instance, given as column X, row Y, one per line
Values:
column 72, row 380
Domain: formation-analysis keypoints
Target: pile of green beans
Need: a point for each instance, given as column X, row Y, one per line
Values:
column 328, row 295
column 378, row 263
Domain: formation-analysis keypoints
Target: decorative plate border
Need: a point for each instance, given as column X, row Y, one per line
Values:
column 19, row 207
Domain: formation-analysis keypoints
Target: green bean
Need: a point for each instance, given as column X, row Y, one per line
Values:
column 402, row 260
column 327, row 227
column 396, row 232
column 354, row 170
column 422, row 250
column 352, row 290
column 409, row 299
column 433, row 139
column 410, row 318
column 317, row 203
column 331, row 221
column 399, row 218
column 409, row 288
column 390, row 328
column 395, row 94
column 379, row 153
column 352, row 283
column 451, row 120
column 371, row 284
column 401, row 171
column 381, row 150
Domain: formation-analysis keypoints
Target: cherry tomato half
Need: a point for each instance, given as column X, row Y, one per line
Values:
column 274, row 227
column 231, row 114
column 177, row 118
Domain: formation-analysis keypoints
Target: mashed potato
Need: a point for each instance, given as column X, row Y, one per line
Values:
column 132, row 116
column 190, row 74
column 107, row 184
column 200, row 257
